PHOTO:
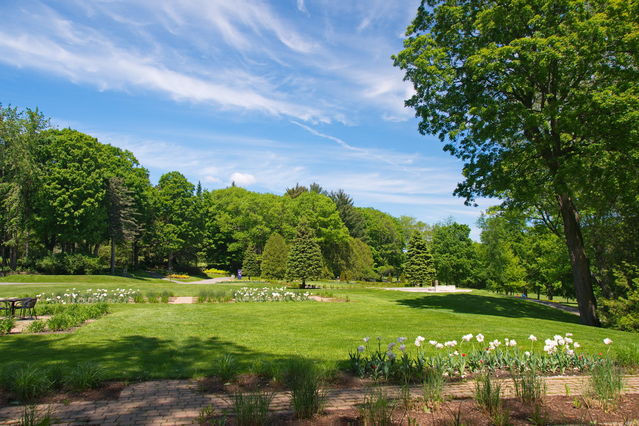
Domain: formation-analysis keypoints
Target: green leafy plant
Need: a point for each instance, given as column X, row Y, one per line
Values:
column 6, row 325
column 164, row 297
column 37, row 326
column 251, row 409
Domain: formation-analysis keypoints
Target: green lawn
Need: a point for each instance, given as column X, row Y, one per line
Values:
column 161, row 341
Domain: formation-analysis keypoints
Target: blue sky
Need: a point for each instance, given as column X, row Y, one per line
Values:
column 266, row 94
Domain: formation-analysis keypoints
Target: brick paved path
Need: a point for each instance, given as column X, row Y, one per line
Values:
column 179, row 402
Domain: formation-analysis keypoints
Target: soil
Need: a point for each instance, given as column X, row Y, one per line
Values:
column 554, row 410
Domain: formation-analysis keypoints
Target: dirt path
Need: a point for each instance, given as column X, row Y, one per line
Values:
column 228, row 280
column 565, row 308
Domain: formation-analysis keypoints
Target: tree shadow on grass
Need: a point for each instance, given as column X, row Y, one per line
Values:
column 488, row 305
column 134, row 357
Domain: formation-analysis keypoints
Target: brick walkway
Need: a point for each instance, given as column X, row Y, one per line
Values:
column 178, row 402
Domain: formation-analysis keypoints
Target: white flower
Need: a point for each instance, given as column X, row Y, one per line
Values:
column 532, row 338
column 366, row 339
column 549, row 349
column 527, row 353
column 433, row 342
column 360, row 348
column 419, row 340
column 439, row 346
column 607, row 341
column 511, row 343
column 467, row 337
column 480, row 338
column 451, row 343
column 569, row 334
column 570, row 352
column 576, row 345
column 568, row 340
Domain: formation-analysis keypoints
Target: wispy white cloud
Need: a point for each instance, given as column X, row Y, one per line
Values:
column 243, row 179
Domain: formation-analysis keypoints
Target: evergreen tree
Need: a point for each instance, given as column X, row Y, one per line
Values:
column 251, row 263
column 274, row 257
column 420, row 266
column 305, row 258
column 121, row 221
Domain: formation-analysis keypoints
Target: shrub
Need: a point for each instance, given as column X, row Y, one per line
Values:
column 251, row 409
column 304, row 379
column 87, row 375
column 75, row 264
column 6, row 325
column 606, row 383
column 153, row 297
column 61, row 322
column 377, row 410
column 31, row 417
column 37, row 326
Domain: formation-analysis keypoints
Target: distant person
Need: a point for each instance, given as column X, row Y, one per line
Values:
column 239, row 274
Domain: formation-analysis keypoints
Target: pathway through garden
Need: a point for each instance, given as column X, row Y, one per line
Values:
column 180, row 402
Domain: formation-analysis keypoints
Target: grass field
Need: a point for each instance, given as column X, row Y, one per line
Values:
column 165, row 341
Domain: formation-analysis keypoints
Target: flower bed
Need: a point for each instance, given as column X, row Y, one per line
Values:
column 473, row 354
column 266, row 294
column 69, row 296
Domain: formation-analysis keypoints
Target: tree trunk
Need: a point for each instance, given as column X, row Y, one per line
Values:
column 578, row 261
column 112, row 256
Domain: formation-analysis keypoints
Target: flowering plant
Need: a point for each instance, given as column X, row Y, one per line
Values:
column 266, row 294
column 70, row 296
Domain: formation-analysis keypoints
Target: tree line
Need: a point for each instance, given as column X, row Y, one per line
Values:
column 71, row 204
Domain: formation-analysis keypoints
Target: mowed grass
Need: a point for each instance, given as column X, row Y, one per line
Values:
column 140, row 341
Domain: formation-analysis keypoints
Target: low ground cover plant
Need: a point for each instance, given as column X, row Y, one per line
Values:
column 266, row 294
column 473, row 354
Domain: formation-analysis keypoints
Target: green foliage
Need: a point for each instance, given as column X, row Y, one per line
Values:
column 454, row 255
column 37, row 326
column 274, row 258
column 499, row 84
column 530, row 386
column 433, row 384
column 27, row 382
column 6, row 325
column 304, row 380
column 420, row 266
column 358, row 263
column 227, row 367
column 384, row 234
column 87, row 375
column 606, row 383
column 623, row 312
column 488, row 394
column 251, row 409
column 69, row 316
column 31, row 417
column 305, row 257
column 74, row 264
column 251, row 262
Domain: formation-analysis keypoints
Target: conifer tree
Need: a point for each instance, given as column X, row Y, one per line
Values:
column 420, row 266
column 274, row 257
column 251, row 263
column 305, row 258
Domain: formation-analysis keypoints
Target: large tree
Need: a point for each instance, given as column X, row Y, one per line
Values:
column 251, row 262
column 531, row 94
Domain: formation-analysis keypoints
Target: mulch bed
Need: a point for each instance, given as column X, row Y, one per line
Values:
column 108, row 391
